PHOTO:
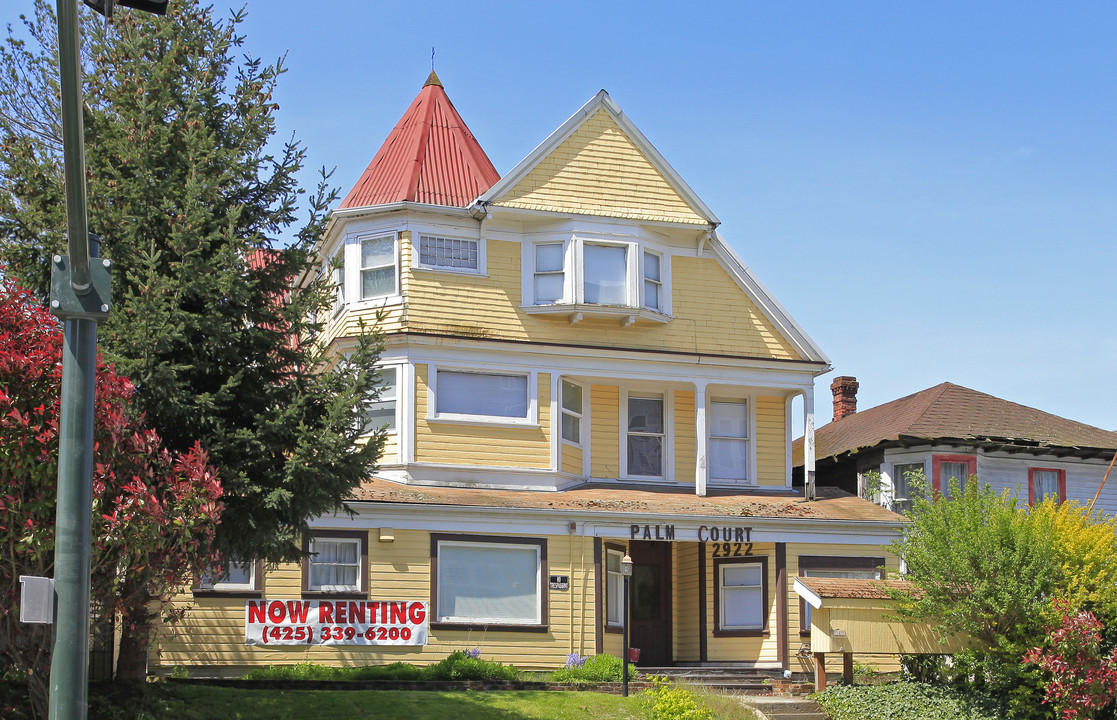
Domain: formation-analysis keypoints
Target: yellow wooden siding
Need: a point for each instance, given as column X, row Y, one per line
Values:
column 605, row 461
column 212, row 632
column 685, row 610
column 870, row 627
column 711, row 313
column 686, row 449
column 501, row 445
column 571, row 459
column 771, row 442
column 763, row 650
column 598, row 170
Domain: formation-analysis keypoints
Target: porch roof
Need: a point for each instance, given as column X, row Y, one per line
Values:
column 832, row 503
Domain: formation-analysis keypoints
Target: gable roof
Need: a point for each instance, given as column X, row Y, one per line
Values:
column 429, row 157
column 949, row 412
column 603, row 165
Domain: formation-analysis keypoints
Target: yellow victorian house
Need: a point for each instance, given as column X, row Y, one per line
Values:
column 580, row 369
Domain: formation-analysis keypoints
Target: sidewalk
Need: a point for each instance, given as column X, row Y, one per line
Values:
column 774, row 707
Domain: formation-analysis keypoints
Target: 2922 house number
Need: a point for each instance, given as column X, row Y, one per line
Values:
column 734, row 549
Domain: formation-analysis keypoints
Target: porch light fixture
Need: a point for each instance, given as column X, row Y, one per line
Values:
column 626, row 571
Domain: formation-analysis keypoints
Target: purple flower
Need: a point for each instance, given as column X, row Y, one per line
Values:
column 474, row 653
column 574, row 660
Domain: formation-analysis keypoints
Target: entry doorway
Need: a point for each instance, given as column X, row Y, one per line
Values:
column 650, row 602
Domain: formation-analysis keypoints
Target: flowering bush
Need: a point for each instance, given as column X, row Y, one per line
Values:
column 1084, row 679
column 574, row 660
column 153, row 513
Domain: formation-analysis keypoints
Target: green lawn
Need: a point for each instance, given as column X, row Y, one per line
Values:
column 167, row 701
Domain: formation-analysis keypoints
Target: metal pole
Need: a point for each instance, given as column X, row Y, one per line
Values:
column 624, row 643
column 69, row 669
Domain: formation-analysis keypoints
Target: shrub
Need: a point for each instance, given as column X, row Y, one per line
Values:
column 905, row 700
column 596, row 669
column 668, row 701
column 1084, row 676
column 460, row 665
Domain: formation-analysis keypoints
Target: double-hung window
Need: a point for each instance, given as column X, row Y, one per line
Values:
column 653, row 280
column 645, row 435
column 336, row 562
column 482, row 395
column 448, row 253
column 378, row 266
column 729, row 440
column 549, row 278
column 381, row 413
column 1044, row 483
column 742, row 596
column 489, row 581
column 338, row 274
column 571, row 412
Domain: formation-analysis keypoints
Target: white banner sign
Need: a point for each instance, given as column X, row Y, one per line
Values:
column 335, row 622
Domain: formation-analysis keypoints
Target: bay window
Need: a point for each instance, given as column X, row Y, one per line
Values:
column 378, row 266
column 604, row 276
column 381, row 413
column 449, row 253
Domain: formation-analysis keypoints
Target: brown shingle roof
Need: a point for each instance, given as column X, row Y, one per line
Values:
column 952, row 412
column 850, row 588
column 832, row 503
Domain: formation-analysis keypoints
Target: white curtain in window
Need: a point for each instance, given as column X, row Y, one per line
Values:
column 496, row 583
column 1045, row 482
column 742, row 596
column 334, row 564
column 604, row 274
column 948, row 470
column 465, row 393
column 378, row 266
column 548, row 273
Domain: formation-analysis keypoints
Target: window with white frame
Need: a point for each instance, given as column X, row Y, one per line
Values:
column 598, row 272
column 381, row 413
column 903, row 476
column 378, row 266
column 480, row 394
column 549, row 279
column 489, row 582
column 729, row 440
column 335, row 563
column 571, row 412
column 338, row 274
column 237, row 576
column 448, row 253
column 645, row 437
column 653, row 280
column 742, row 595
column 614, row 588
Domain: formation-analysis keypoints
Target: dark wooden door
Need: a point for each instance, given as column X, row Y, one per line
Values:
column 650, row 602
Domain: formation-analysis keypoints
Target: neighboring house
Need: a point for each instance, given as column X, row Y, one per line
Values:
column 949, row 431
column 578, row 368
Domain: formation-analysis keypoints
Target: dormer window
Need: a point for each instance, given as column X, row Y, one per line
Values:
column 593, row 277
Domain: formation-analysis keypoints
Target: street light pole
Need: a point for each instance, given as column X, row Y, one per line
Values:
column 626, row 571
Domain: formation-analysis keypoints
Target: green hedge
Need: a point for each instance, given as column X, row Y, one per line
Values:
column 905, row 700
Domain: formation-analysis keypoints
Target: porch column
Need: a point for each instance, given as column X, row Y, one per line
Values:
column 819, row 672
column 808, row 443
column 701, row 440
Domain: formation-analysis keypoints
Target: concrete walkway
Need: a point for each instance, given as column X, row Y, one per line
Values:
column 774, row 707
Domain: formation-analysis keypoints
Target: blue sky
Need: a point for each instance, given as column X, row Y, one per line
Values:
column 930, row 189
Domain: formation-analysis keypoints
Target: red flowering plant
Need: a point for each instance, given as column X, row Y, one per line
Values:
column 154, row 513
column 1083, row 676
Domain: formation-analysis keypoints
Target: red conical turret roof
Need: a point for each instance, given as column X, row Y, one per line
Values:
column 429, row 157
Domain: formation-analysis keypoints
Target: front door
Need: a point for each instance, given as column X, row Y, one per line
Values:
column 650, row 602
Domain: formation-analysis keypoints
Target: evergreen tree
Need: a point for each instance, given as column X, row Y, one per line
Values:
column 190, row 201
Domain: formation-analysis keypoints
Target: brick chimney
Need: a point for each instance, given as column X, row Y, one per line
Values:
column 845, row 396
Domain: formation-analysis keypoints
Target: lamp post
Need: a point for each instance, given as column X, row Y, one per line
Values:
column 626, row 571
